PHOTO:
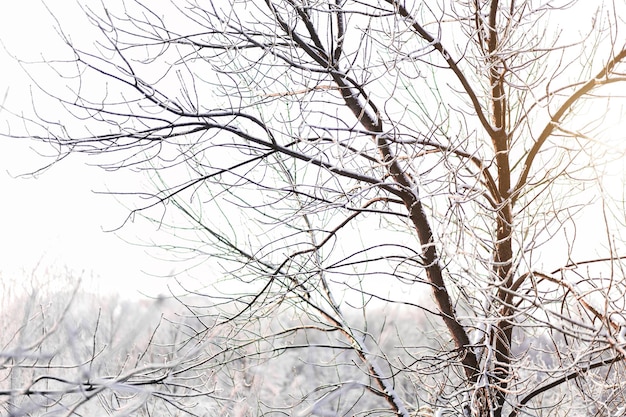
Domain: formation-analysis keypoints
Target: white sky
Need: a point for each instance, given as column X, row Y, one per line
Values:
column 56, row 220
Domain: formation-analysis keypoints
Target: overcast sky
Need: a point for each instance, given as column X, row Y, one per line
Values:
column 57, row 219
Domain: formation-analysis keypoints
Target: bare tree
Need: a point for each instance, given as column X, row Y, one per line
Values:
column 323, row 164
